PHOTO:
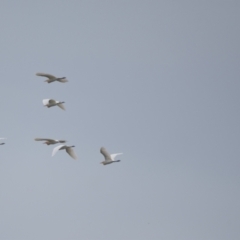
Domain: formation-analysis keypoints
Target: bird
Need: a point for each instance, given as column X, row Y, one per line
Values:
column 52, row 78
column 2, row 143
column 51, row 103
column 49, row 141
column 68, row 149
column 109, row 158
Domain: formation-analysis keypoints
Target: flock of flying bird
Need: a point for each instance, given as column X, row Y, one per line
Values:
column 109, row 158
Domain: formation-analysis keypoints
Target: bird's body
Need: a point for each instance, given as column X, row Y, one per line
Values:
column 109, row 158
column 68, row 149
column 51, row 103
column 49, row 141
column 52, row 78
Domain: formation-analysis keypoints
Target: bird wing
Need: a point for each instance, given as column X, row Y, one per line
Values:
column 46, row 75
column 70, row 151
column 106, row 155
column 61, row 106
column 45, row 101
column 114, row 155
column 56, row 149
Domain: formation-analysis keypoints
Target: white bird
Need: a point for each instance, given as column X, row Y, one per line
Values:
column 49, row 141
column 52, row 78
column 51, row 103
column 2, row 143
column 109, row 158
column 69, row 150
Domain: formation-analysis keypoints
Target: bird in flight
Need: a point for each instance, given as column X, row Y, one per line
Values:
column 68, row 149
column 51, row 103
column 49, row 141
column 109, row 158
column 52, row 78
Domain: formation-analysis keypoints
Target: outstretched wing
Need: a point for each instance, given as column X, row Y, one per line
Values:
column 114, row 155
column 61, row 106
column 106, row 155
column 71, row 153
column 56, row 149
column 46, row 75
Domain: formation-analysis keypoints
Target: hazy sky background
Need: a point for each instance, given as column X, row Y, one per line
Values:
column 156, row 80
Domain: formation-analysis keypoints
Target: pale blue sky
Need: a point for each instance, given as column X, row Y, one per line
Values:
column 156, row 80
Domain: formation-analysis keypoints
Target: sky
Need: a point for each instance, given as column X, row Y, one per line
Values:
column 155, row 80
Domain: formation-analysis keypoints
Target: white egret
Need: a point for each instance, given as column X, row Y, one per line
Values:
column 49, row 141
column 68, row 149
column 51, row 103
column 109, row 158
column 52, row 78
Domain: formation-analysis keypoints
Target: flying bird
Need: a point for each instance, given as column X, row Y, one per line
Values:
column 109, row 158
column 52, row 78
column 68, row 149
column 49, row 141
column 51, row 103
